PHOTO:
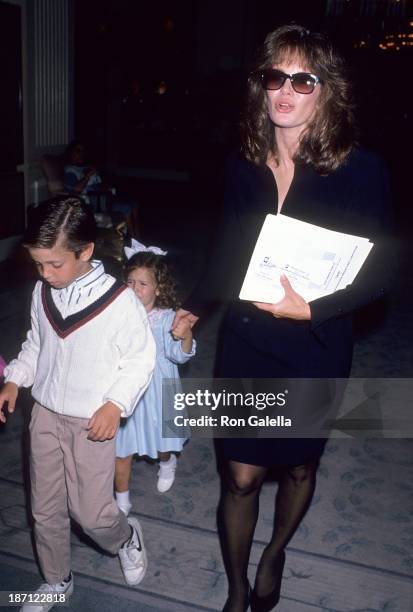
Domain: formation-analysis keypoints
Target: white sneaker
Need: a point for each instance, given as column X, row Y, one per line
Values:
column 132, row 555
column 59, row 594
column 166, row 476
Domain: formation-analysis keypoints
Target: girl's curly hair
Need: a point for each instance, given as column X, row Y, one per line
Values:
column 160, row 268
column 330, row 137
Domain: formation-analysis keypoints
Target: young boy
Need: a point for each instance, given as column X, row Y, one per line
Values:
column 89, row 355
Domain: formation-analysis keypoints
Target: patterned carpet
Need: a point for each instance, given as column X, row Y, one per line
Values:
column 353, row 551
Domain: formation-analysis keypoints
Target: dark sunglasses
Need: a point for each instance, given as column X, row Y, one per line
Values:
column 302, row 82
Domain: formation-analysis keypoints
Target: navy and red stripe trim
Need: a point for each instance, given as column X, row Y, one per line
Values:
column 64, row 327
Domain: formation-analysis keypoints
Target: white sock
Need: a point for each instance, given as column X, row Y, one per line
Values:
column 171, row 462
column 122, row 499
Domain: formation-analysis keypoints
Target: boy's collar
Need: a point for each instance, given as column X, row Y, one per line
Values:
column 89, row 277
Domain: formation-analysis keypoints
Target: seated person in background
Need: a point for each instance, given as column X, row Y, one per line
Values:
column 79, row 177
column 82, row 179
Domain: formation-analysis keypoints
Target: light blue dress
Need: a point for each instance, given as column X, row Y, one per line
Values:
column 141, row 433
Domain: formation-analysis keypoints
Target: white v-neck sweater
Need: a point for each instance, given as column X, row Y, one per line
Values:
column 77, row 359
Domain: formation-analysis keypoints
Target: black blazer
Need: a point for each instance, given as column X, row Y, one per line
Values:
column 354, row 199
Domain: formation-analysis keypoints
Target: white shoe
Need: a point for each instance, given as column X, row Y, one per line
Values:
column 166, row 476
column 58, row 593
column 132, row 555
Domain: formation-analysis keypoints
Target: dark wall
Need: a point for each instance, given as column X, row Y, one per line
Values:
column 11, row 110
column 202, row 51
column 11, row 114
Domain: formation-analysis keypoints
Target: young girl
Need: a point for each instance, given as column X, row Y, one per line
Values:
column 148, row 275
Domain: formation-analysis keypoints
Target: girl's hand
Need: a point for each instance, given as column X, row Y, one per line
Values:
column 183, row 332
column 292, row 306
column 104, row 424
column 183, row 329
column 183, row 314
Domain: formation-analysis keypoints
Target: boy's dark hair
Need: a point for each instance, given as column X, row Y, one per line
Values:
column 69, row 220
column 161, row 270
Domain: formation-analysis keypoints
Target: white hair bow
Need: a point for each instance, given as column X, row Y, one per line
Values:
column 138, row 247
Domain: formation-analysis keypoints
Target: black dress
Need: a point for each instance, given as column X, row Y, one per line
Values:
column 355, row 200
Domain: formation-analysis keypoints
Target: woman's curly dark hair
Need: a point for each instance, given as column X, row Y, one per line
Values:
column 330, row 137
column 160, row 268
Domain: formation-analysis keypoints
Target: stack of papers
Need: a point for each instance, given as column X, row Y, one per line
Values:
column 317, row 261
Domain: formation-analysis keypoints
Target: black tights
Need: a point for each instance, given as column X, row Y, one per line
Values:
column 237, row 518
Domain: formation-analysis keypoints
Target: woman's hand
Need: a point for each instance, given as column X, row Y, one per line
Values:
column 182, row 314
column 292, row 306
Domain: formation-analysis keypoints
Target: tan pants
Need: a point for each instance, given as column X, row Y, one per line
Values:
column 71, row 476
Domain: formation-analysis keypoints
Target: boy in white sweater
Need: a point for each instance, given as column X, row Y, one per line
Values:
column 89, row 357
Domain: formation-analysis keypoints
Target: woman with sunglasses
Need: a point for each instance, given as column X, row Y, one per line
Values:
column 300, row 158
